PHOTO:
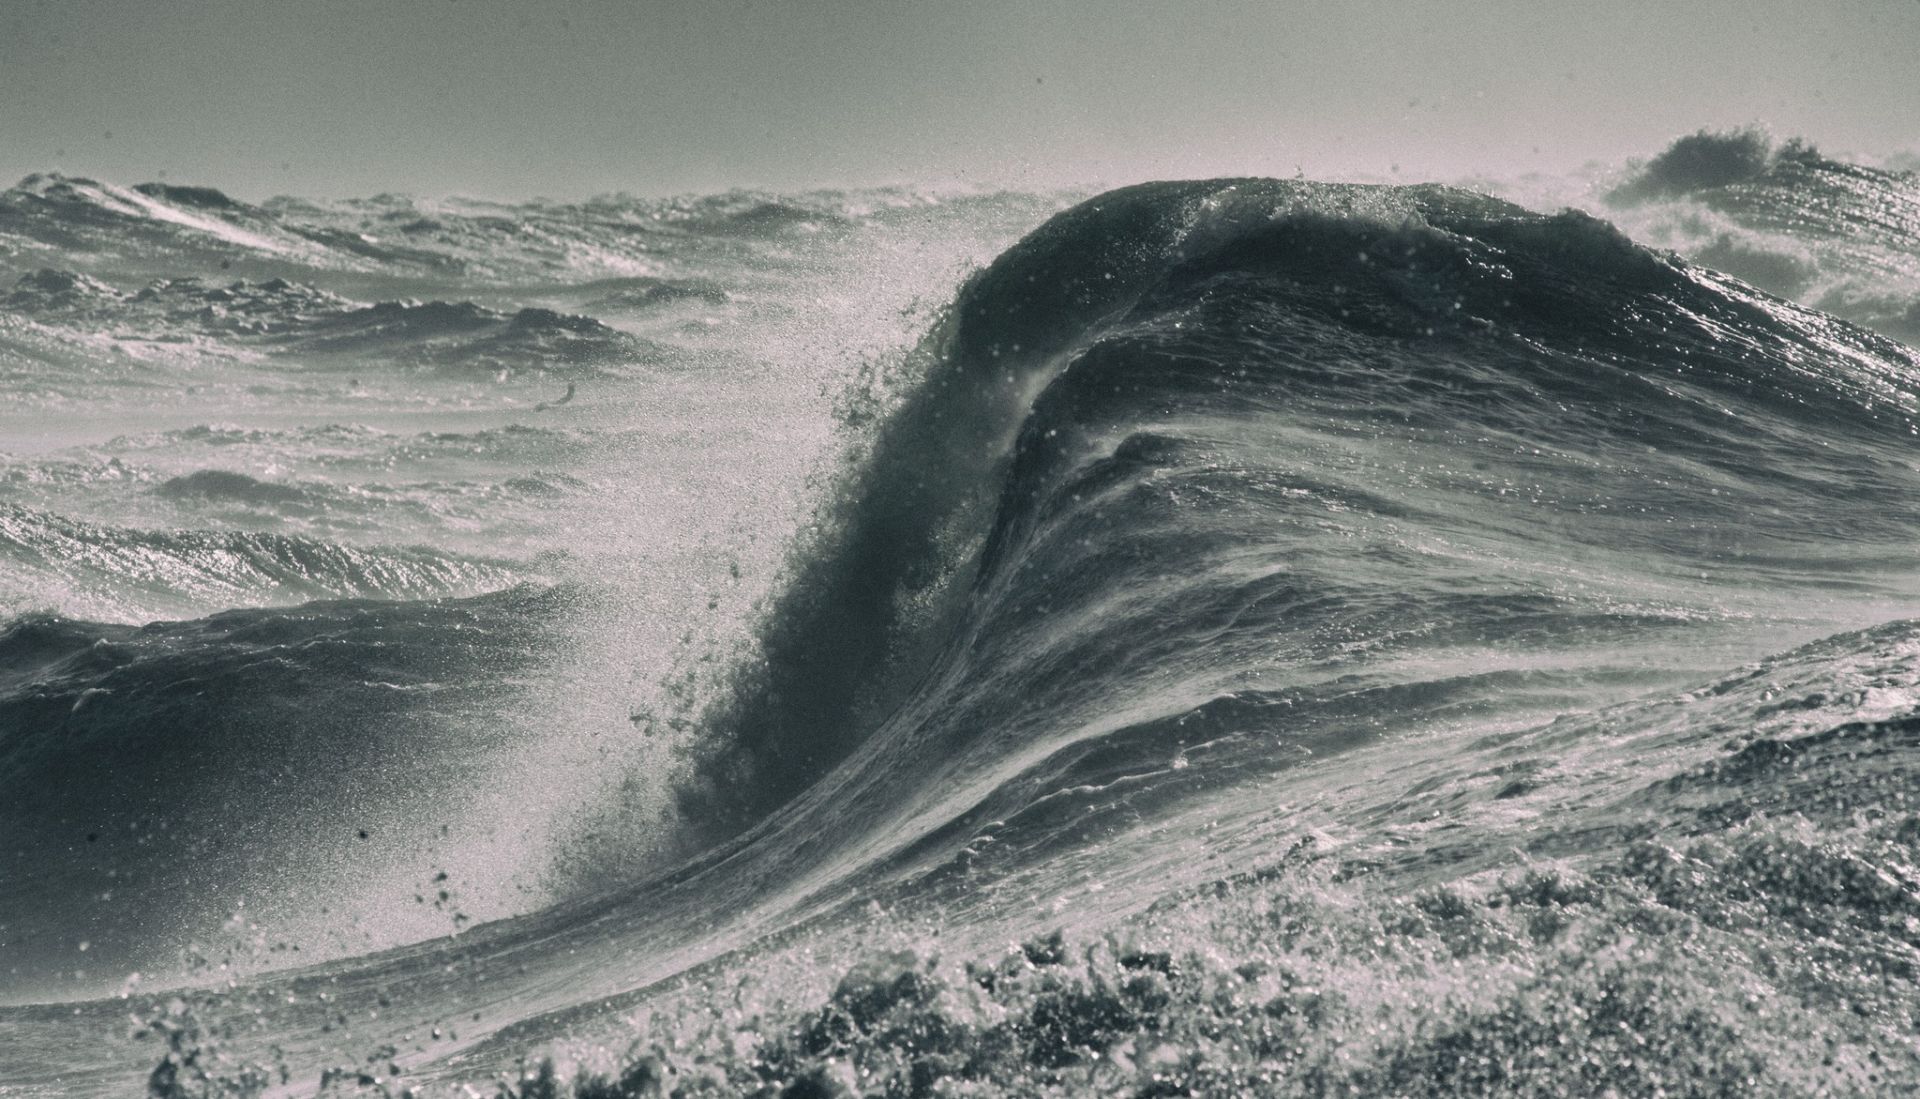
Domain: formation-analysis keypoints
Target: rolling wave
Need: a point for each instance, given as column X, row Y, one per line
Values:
column 1286, row 570
column 308, row 326
column 1842, row 237
column 48, row 561
column 1465, row 377
column 157, row 777
column 156, row 227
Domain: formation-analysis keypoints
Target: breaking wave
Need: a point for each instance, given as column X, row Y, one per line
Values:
column 1319, row 637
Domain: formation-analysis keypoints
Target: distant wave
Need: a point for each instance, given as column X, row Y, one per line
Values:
column 84, row 215
column 204, row 197
column 53, row 291
column 300, row 322
column 52, row 218
column 220, row 484
column 1842, row 237
column 357, row 444
column 1372, row 584
column 1709, row 160
column 49, row 561
column 650, row 293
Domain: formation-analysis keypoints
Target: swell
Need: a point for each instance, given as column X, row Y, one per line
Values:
column 1017, row 567
column 1206, row 482
column 302, row 323
column 160, row 228
column 1842, row 237
column 48, row 560
column 155, row 780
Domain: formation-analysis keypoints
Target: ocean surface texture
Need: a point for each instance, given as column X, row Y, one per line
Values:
column 1217, row 638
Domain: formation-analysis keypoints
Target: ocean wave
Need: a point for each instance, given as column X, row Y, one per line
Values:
column 1342, row 317
column 302, row 324
column 154, row 776
column 1842, row 237
column 1292, row 566
column 1708, row 160
column 155, row 229
column 208, row 198
column 1235, row 520
column 229, row 435
column 49, row 290
column 350, row 446
column 226, row 485
column 83, row 215
column 115, row 574
column 649, row 293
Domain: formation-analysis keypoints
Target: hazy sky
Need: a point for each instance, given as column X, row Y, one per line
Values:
column 566, row 98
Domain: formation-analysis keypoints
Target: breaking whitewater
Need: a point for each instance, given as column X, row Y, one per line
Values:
column 1206, row 638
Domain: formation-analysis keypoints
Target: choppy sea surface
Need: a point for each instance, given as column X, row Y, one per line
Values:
column 1209, row 637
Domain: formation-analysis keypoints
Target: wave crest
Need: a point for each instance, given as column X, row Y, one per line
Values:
column 1709, row 159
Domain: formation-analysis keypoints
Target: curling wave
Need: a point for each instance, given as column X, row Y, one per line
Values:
column 1224, row 529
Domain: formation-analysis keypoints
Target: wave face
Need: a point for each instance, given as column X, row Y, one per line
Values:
column 1404, row 604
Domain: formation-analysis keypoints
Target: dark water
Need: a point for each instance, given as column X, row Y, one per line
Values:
column 1301, row 587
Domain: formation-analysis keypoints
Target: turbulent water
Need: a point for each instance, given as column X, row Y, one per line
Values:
column 1357, row 638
